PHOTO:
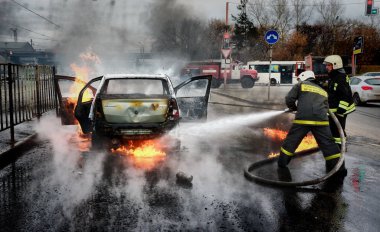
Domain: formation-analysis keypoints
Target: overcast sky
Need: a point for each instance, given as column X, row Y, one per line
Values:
column 107, row 27
column 130, row 12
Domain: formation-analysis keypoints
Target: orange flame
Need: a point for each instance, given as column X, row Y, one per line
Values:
column 144, row 154
column 308, row 141
column 82, row 75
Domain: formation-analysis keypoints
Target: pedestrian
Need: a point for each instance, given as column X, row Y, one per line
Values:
column 339, row 93
column 311, row 103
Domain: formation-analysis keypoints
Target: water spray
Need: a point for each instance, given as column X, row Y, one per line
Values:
column 220, row 126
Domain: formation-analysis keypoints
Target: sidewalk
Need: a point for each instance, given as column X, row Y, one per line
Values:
column 22, row 133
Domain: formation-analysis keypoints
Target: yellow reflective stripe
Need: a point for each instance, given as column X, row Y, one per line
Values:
column 313, row 89
column 286, row 152
column 332, row 156
column 347, row 79
column 343, row 107
column 334, row 110
column 338, row 140
column 344, row 103
column 335, row 85
column 308, row 122
column 350, row 109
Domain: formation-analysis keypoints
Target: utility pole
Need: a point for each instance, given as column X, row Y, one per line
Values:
column 14, row 29
column 227, row 13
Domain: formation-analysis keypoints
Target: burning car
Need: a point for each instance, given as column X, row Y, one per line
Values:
column 118, row 108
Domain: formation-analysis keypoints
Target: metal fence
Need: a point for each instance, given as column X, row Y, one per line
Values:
column 26, row 92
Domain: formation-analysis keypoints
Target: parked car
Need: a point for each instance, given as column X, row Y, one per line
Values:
column 371, row 74
column 126, row 107
column 365, row 88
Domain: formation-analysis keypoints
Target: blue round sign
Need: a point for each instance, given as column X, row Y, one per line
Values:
column 271, row 37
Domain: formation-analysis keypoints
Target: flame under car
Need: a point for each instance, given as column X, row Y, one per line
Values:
column 128, row 107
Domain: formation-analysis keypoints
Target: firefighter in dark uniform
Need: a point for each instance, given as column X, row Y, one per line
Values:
column 340, row 96
column 310, row 101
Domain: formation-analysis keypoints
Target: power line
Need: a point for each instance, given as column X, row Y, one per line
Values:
column 36, row 14
column 31, row 31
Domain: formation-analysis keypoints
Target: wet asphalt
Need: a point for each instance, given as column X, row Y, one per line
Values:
column 54, row 186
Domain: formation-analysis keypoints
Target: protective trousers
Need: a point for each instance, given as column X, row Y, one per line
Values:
column 322, row 135
column 334, row 128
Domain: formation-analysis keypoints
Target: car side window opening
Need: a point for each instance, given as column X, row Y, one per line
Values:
column 136, row 86
column 355, row 81
column 372, row 74
column 374, row 81
column 275, row 68
column 195, row 88
column 262, row 68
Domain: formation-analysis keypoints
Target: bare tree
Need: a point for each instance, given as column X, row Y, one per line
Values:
column 274, row 15
column 259, row 12
column 330, row 12
column 281, row 16
column 302, row 11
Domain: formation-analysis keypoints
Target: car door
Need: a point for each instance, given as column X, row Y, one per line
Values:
column 192, row 97
column 82, row 109
column 66, row 89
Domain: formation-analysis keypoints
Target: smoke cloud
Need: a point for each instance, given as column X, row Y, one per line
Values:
column 121, row 33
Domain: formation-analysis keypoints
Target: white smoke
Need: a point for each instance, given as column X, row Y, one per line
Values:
column 72, row 175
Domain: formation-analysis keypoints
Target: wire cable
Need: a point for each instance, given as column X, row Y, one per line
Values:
column 58, row 26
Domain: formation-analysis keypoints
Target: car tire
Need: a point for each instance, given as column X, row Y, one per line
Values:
column 247, row 82
column 357, row 100
column 273, row 82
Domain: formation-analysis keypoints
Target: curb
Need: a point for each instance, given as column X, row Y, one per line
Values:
column 7, row 153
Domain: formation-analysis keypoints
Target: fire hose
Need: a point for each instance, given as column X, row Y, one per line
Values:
column 250, row 176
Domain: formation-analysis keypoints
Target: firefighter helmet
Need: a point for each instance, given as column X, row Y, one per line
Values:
column 335, row 60
column 305, row 75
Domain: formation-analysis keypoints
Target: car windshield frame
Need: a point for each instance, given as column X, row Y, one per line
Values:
column 135, row 86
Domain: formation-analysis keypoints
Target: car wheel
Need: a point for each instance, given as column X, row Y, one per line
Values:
column 247, row 82
column 357, row 100
column 273, row 81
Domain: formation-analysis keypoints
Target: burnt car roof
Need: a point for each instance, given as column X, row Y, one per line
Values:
column 147, row 76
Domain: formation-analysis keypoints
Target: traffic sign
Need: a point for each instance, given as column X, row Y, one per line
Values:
column 358, row 45
column 226, row 52
column 271, row 37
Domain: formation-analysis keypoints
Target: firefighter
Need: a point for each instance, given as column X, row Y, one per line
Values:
column 339, row 94
column 311, row 115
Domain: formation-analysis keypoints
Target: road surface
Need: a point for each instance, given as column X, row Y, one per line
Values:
column 58, row 185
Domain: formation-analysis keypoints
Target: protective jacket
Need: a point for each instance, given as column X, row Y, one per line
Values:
column 340, row 95
column 312, row 105
column 310, row 101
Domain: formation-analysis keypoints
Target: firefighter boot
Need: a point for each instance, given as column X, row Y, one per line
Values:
column 340, row 174
column 284, row 174
column 283, row 160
